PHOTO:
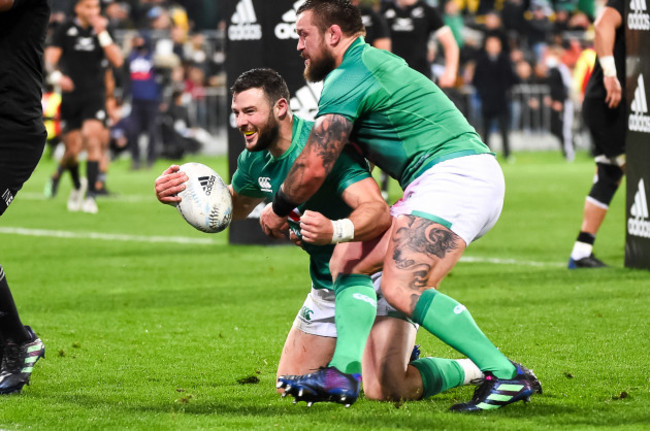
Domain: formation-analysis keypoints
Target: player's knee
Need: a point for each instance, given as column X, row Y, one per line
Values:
column 384, row 389
column 608, row 177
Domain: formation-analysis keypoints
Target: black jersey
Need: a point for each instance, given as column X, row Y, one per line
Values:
column 82, row 57
column 376, row 26
column 410, row 30
column 595, row 87
column 22, row 34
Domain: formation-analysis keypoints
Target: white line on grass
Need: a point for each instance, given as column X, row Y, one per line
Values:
column 32, row 196
column 208, row 241
column 105, row 236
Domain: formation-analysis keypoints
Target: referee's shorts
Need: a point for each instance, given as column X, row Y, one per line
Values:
column 19, row 155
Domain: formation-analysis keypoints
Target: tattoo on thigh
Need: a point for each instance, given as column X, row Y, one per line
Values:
column 421, row 237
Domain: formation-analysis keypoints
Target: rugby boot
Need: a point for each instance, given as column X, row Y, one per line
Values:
column 18, row 362
column 494, row 393
column 327, row 384
column 590, row 261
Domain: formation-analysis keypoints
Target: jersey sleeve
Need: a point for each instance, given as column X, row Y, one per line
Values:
column 434, row 20
column 242, row 182
column 350, row 168
column 380, row 25
column 58, row 36
column 344, row 95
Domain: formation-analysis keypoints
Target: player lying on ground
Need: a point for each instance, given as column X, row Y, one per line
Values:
column 348, row 207
column 453, row 195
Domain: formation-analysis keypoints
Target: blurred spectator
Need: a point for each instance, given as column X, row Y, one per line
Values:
column 512, row 16
column 493, row 78
column 559, row 79
column 412, row 23
column 582, row 71
column 145, row 89
column 377, row 32
column 195, row 86
column 494, row 27
column 178, row 136
column 118, row 15
column 538, row 27
column 454, row 20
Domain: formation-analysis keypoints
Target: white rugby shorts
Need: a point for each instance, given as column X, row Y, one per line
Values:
column 464, row 194
column 316, row 316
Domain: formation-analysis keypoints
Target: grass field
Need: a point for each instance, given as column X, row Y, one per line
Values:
column 149, row 324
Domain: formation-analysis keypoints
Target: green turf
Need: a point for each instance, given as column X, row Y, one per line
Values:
column 165, row 335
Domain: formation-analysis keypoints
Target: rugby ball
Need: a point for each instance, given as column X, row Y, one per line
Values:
column 205, row 203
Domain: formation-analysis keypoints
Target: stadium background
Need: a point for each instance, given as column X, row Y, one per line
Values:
column 150, row 324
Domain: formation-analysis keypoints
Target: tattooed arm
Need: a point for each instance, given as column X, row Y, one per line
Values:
column 325, row 143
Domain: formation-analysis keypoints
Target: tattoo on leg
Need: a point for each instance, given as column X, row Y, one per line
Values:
column 421, row 236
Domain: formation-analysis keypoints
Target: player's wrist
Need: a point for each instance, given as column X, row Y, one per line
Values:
column 105, row 38
column 608, row 65
column 282, row 206
column 343, row 230
column 54, row 78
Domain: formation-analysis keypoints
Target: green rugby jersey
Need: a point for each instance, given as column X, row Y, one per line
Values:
column 259, row 175
column 403, row 122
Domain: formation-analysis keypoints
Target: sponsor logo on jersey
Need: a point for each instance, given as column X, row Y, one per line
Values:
column 287, row 28
column 402, row 24
column 459, row 309
column 639, row 120
column 207, row 182
column 306, row 312
column 72, row 31
column 84, row 44
column 243, row 23
column 304, row 103
column 638, row 17
column 364, row 298
column 7, row 196
column 265, row 184
column 639, row 222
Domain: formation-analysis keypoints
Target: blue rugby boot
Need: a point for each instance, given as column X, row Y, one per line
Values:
column 328, row 384
column 495, row 393
column 18, row 362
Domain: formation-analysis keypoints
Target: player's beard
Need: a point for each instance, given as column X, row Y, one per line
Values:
column 318, row 68
column 266, row 135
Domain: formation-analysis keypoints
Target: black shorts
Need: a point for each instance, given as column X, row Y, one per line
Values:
column 607, row 126
column 75, row 109
column 19, row 155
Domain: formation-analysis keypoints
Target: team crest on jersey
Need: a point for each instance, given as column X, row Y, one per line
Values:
column 72, row 31
column 265, row 184
column 418, row 12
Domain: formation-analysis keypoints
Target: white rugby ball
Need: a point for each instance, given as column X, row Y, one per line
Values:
column 205, row 203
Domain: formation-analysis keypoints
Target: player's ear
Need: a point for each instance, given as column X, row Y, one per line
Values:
column 281, row 107
column 333, row 35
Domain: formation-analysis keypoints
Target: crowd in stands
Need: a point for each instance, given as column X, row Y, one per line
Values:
column 540, row 42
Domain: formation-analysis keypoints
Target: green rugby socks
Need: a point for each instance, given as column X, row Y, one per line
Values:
column 355, row 311
column 450, row 321
column 439, row 374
